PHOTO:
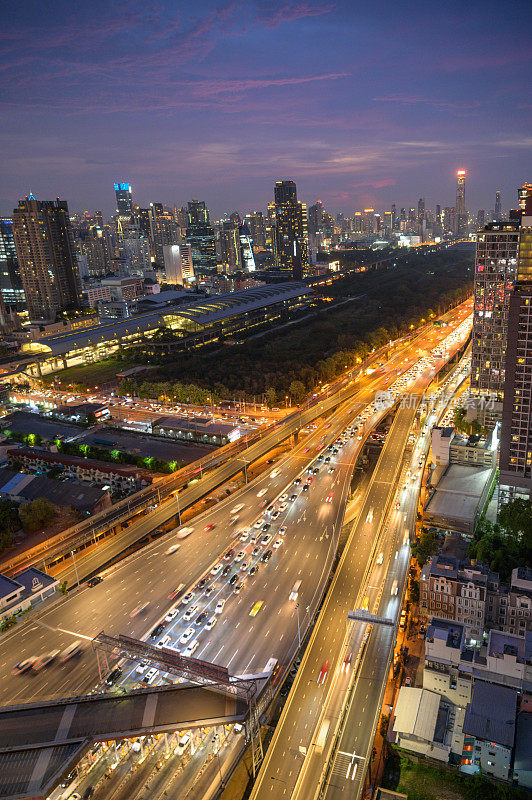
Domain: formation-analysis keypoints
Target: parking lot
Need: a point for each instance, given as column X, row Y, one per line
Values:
column 26, row 422
column 140, row 444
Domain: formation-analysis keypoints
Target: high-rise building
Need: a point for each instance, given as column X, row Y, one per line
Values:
column 163, row 231
column 10, row 278
column 498, row 205
column 495, row 275
column 291, row 235
column 257, row 229
column 516, row 436
column 481, row 218
column 124, row 199
column 178, row 266
column 230, row 248
column 247, row 259
column 421, row 210
column 47, row 257
column 200, row 235
column 461, row 211
column 95, row 246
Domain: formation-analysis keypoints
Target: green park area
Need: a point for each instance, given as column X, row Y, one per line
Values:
column 86, row 376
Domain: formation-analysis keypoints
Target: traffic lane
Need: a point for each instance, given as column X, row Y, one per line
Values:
column 88, row 612
column 327, row 644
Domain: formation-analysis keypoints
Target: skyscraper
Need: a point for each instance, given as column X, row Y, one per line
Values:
column 516, row 436
column 461, row 212
column 124, row 199
column 200, row 235
column 230, row 247
column 257, row 229
column 178, row 265
column 291, row 237
column 420, row 211
column 10, row 278
column 163, row 231
column 247, row 259
column 498, row 206
column 47, row 257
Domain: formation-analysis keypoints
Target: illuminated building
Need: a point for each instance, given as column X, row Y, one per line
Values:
column 200, row 235
column 230, row 248
column 498, row 205
column 460, row 207
column 124, row 199
column 291, row 237
column 163, row 231
column 257, row 230
column 178, row 266
column 247, row 259
column 46, row 254
column 10, row 279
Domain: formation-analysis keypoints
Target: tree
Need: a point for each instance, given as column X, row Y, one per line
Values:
column 515, row 518
column 297, row 390
column 424, row 547
column 37, row 514
column 271, row 396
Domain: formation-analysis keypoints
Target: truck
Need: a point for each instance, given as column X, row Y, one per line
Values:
column 322, row 735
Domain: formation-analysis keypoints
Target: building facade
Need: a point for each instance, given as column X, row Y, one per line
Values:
column 291, row 235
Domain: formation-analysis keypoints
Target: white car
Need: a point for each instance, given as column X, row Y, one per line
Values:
column 380, row 558
column 192, row 647
column 141, row 668
column 172, row 614
column 216, row 569
column 282, row 530
column 274, row 473
column 211, row 622
column 182, row 744
column 262, row 493
column 266, row 539
column 189, row 613
column 219, row 607
column 172, row 549
column 277, row 543
column 259, row 523
column 240, row 556
column 150, row 675
column 164, row 641
column 185, row 600
column 187, row 636
column 244, row 536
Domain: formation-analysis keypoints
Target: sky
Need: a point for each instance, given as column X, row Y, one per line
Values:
column 361, row 103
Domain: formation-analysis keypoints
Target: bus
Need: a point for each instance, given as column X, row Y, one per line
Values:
column 295, row 591
column 182, row 533
column 72, row 650
column 270, row 665
column 322, row 735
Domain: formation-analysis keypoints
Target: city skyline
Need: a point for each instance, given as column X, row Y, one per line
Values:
column 221, row 103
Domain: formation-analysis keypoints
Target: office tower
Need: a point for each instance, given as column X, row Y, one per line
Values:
column 421, row 210
column 247, row 259
column 394, row 217
column 388, row 222
column 10, row 279
column 178, row 265
column 181, row 216
column 143, row 218
column 124, row 199
column 315, row 218
column 230, row 254
column 516, row 435
column 460, row 208
column 369, row 223
column 95, row 246
column 47, row 257
column 481, row 218
column 163, row 231
column 135, row 253
column 358, row 222
column 498, row 206
column 200, row 235
column 495, row 274
column 257, row 229
column 291, row 237
column 98, row 219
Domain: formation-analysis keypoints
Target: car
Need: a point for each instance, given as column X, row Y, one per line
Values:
column 283, row 497
column 282, row 530
column 369, row 517
column 266, row 527
column 322, row 677
column 141, row 668
column 182, row 744
column 261, row 493
column 258, row 524
column 226, row 570
column 380, row 558
column 277, row 543
column 244, row 536
column 330, row 470
column 253, row 570
column 220, row 605
column 189, row 613
column 240, row 556
column 244, row 566
column 94, row 581
column 209, row 527
column 172, row 549
column 229, row 555
column 200, row 586
column 164, row 641
column 266, row 556
column 172, row 614
column 233, row 579
column 150, row 676
column 275, row 514
column 200, row 619
column 44, row 660
column 187, row 636
column 329, row 498
column 365, row 603
column 316, row 470
column 192, row 647
column 274, row 473
column 393, row 590
column 208, row 591
column 266, row 539
column 297, row 482
column 211, row 622
column 306, row 487
column 157, row 630
column 216, row 569
column 347, row 662
column 256, row 608
column 175, row 591
column 113, row 676
column 292, row 497
column 397, row 506
column 238, row 587
column 186, row 599
column 139, row 609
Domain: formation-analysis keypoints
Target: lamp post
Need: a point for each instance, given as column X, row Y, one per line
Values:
column 75, row 567
column 178, row 509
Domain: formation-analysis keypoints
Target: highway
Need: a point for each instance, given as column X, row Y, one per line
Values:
column 320, row 677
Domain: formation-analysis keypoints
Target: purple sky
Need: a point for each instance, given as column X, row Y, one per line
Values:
column 361, row 103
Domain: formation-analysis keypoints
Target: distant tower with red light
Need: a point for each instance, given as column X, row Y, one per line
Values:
column 461, row 213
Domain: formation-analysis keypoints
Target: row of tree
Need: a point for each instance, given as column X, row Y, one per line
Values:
column 117, row 456
column 30, row 517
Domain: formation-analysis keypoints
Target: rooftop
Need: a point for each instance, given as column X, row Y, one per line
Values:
column 452, row 633
column 491, row 714
column 416, row 712
column 502, row 644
